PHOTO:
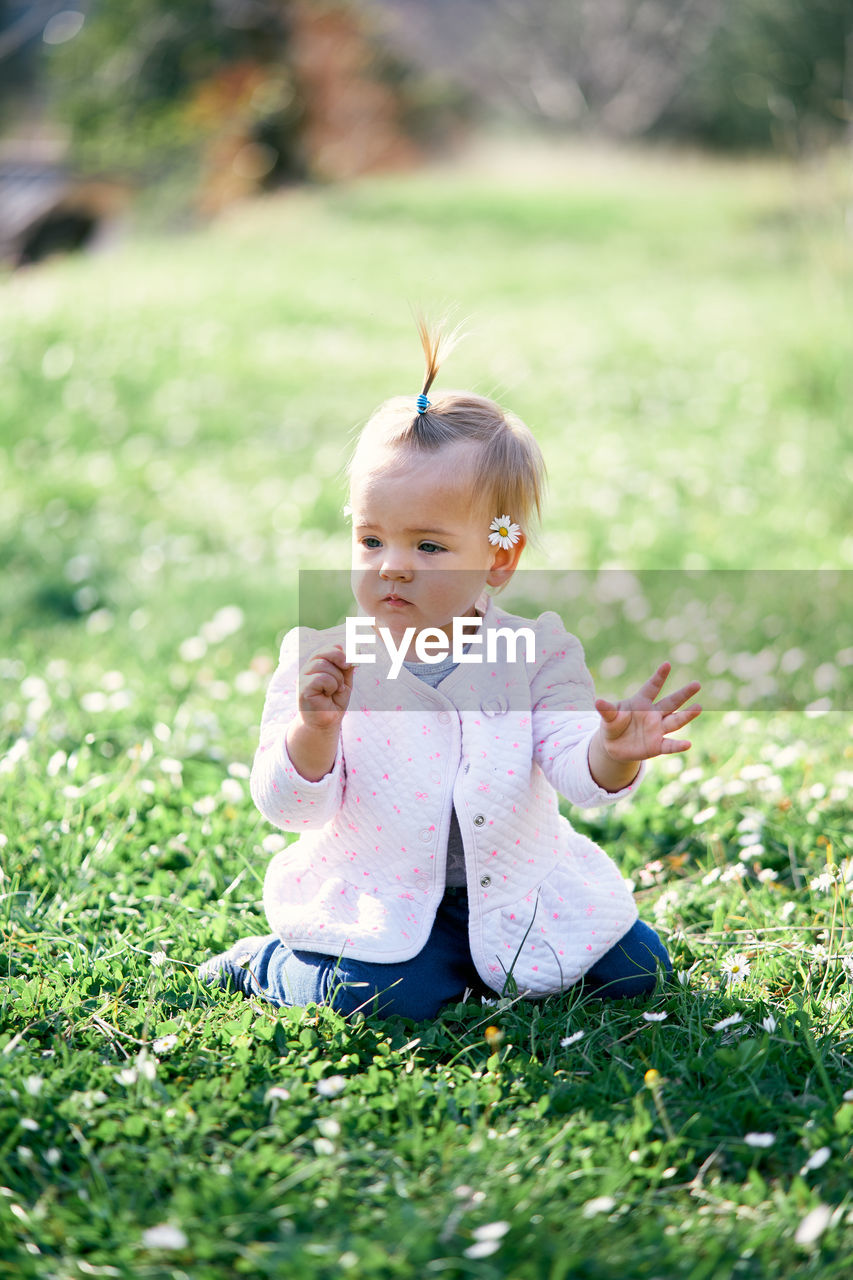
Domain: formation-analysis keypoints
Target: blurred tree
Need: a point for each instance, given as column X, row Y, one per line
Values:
column 232, row 94
column 21, row 27
column 776, row 72
column 726, row 72
column 144, row 82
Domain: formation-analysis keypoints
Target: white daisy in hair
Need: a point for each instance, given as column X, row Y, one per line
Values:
column 503, row 532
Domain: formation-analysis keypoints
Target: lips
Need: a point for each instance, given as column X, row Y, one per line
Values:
column 394, row 599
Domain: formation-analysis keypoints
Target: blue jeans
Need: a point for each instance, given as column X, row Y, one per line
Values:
column 416, row 988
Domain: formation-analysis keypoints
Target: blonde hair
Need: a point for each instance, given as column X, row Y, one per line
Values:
column 509, row 474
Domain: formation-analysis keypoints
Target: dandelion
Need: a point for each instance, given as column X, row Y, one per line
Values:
column 331, row 1086
column 655, row 1017
column 767, row 875
column 493, row 1037
column 205, row 806
column 725, row 1023
column 164, row 1236
column 231, row 790
column 652, row 1078
column 735, row 968
column 759, row 1139
column 572, row 1039
column 816, row 1160
column 159, row 958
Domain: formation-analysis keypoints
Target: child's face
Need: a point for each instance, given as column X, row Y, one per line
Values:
column 418, row 537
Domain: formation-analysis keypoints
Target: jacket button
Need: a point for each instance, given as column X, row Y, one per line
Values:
column 479, row 819
column 425, row 834
column 443, row 717
column 485, row 881
column 422, row 883
column 497, row 706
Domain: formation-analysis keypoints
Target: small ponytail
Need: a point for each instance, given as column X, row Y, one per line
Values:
column 437, row 345
column 508, row 474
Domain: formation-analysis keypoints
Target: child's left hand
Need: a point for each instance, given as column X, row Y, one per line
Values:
column 635, row 728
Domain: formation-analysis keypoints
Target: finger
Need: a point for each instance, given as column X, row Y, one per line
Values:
column 324, row 685
column 655, row 682
column 675, row 699
column 334, row 654
column 606, row 710
column 678, row 719
column 668, row 745
column 319, row 666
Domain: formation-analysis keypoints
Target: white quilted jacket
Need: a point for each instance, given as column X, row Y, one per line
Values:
column 366, row 875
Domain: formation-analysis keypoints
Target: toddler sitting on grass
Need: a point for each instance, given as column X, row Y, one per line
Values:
column 421, row 773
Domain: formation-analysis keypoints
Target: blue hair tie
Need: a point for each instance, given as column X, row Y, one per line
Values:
column 423, row 404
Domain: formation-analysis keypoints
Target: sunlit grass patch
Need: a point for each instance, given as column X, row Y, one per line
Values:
column 173, row 423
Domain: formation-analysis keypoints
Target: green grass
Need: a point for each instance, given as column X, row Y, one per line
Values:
column 173, row 421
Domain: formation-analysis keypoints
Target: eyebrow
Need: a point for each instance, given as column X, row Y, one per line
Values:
column 442, row 533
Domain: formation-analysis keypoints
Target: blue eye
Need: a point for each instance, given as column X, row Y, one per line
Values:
column 430, row 547
column 371, row 540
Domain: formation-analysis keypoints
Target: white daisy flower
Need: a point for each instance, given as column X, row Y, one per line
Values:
column 503, row 533
column 759, row 1139
column 735, row 968
column 331, row 1086
column 655, row 1017
column 164, row 1236
column 491, row 1231
column 164, row 1044
column 813, row 1225
column 600, row 1204
column 731, row 1021
column 769, row 1023
column 817, row 1160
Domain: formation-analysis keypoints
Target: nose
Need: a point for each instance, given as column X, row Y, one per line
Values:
column 394, row 569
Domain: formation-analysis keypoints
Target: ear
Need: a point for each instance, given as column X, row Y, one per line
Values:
column 505, row 562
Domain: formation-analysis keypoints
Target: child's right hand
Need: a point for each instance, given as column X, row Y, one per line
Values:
column 325, row 685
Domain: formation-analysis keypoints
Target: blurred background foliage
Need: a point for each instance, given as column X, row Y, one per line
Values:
column 240, row 95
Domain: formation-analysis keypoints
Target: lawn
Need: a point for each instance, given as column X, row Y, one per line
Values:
column 174, row 419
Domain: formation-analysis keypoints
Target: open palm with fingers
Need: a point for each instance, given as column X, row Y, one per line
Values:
column 635, row 728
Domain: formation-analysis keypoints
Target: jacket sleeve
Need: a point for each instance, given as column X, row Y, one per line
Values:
column 282, row 795
column 565, row 718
